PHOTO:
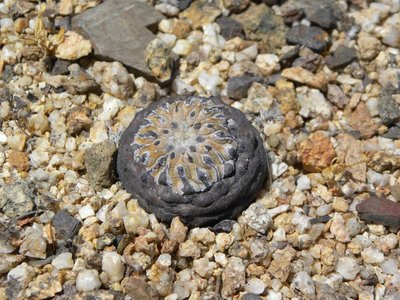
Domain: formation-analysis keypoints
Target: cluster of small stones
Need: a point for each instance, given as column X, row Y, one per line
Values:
column 67, row 234
column 186, row 142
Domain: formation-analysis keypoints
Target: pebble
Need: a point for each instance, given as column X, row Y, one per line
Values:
column 377, row 179
column 389, row 266
column 255, row 286
column 233, row 277
column 257, row 217
column 390, row 79
column 3, row 138
column 113, row 265
column 22, row 273
column 304, row 283
column 204, row 267
column 230, row 28
column 260, row 23
column 390, row 32
column 303, row 183
column 9, row 261
column 134, row 220
column 389, row 111
column 73, row 47
column 63, row 261
column 99, row 163
column 78, row 119
column 338, row 228
column 88, row 280
column 372, row 255
column 237, row 87
column 267, row 63
column 316, row 152
column 114, row 79
column 210, row 81
column 323, row 16
column 86, row 211
column 177, row 230
column 17, row 199
column 159, row 60
column 341, row 57
column 368, row 46
column 310, row 36
column 34, row 244
column 347, row 267
column 336, row 96
column 250, row 296
column 301, row 75
column 66, row 226
column 182, row 47
column 200, row 12
column 361, row 120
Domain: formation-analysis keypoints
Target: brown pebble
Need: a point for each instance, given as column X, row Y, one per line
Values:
column 361, row 120
column 317, row 152
column 78, row 119
column 20, row 24
column 19, row 160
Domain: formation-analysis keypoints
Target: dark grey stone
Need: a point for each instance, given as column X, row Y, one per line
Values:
column 223, row 199
column 223, row 226
column 321, row 219
column 311, row 37
column 8, row 73
column 389, row 110
column 60, row 67
column 341, row 57
column 238, row 86
column 183, row 4
column 323, row 17
column 16, row 199
column 65, row 225
column 310, row 61
column 251, row 296
column 99, row 163
column 120, row 30
column 230, row 28
column 393, row 133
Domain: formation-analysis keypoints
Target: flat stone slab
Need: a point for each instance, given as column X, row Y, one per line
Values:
column 120, row 30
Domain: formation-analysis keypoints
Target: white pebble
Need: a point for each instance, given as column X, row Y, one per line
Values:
column 324, row 210
column 304, row 183
column 182, row 47
column 164, row 260
column 6, row 22
column 221, row 259
column 274, row 295
column 21, row 273
column 347, row 267
column 88, row 280
column 377, row 179
column 372, row 256
column 113, row 265
column 255, row 286
column 3, row 138
column 389, row 266
column 63, row 261
column 210, row 82
column 132, row 221
column 86, row 211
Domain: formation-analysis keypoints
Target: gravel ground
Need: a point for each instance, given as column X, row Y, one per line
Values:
column 319, row 80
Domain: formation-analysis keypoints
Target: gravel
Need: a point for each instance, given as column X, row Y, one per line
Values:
column 317, row 80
